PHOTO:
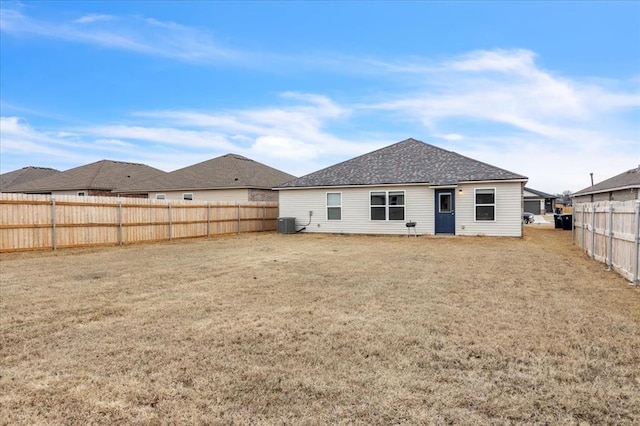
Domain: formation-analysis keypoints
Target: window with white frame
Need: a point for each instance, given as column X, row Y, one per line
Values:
column 187, row 196
column 386, row 205
column 161, row 197
column 334, row 206
column 485, row 203
column 82, row 194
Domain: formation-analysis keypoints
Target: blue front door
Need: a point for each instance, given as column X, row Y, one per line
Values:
column 445, row 211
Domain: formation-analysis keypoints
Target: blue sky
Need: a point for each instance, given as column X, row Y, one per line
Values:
column 550, row 90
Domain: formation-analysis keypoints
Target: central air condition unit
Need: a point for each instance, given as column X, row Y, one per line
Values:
column 286, row 225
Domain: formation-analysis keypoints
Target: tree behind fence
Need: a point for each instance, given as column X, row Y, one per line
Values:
column 41, row 222
column 609, row 231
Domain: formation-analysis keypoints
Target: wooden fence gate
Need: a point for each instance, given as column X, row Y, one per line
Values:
column 609, row 231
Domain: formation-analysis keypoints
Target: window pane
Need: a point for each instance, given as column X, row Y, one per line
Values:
column 396, row 213
column 378, row 213
column 485, row 196
column 334, row 199
column 445, row 203
column 334, row 213
column 485, row 213
column 378, row 198
column 396, row 198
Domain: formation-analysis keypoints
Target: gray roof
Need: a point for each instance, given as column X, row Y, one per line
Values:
column 625, row 180
column 227, row 171
column 23, row 175
column 101, row 175
column 539, row 193
column 409, row 161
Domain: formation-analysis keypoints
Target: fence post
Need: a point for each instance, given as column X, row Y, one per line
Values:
column 170, row 227
column 636, row 248
column 119, row 223
column 264, row 218
column 238, row 212
column 54, row 240
column 583, row 243
column 208, row 219
column 593, row 231
column 610, row 253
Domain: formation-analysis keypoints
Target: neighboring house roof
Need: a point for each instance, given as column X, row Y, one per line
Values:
column 23, row 175
column 409, row 161
column 540, row 194
column 101, row 175
column 626, row 180
column 226, row 171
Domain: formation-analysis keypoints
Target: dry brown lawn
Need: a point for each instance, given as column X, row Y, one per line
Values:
column 319, row 329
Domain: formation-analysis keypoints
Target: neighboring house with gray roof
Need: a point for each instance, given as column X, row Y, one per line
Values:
column 538, row 202
column 230, row 177
column 622, row 187
column 95, row 179
column 24, row 175
column 379, row 192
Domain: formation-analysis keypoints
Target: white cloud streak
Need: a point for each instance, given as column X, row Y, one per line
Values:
column 146, row 36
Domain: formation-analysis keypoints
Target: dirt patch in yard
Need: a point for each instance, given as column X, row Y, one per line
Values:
column 317, row 329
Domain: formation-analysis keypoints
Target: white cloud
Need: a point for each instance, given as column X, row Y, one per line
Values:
column 93, row 17
column 497, row 106
column 146, row 36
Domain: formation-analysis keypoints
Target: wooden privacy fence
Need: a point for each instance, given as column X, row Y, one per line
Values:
column 609, row 231
column 40, row 222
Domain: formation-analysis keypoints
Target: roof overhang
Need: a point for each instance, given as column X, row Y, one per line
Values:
column 601, row 191
column 436, row 186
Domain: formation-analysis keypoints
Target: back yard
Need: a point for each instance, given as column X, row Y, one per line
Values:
column 313, row 329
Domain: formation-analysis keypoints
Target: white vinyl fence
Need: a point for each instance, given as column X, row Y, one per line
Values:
column 609, row 231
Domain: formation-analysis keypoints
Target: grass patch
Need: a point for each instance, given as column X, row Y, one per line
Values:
column 316, row 329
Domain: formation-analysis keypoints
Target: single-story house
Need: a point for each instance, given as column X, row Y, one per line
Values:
column 230, row 177
column 95, row 179
column 23, row 175
column 441, row 191
column 622, row 187
column 538, row 202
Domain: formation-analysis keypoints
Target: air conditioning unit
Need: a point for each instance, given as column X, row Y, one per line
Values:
column 286, row 225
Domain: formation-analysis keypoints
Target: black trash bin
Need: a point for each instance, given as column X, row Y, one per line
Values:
column 557, row 220
column 567, row 222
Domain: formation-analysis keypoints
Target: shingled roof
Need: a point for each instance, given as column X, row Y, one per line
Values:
column 409, row 161
column 101, row 175
column 226, row 171
column 23, row 175
column 626, row 180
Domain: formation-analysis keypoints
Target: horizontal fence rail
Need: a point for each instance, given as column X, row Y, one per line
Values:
column 609, row 231
column 41, row 222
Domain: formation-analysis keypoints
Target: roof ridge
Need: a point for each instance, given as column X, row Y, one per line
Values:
column 95, row 175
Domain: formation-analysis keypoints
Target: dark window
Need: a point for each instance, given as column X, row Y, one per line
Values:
column 387, row 205
column 486, row 204
column 334, row 206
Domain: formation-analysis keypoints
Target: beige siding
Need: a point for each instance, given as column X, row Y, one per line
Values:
column 73, row 192
column 419, row 208
column 508, row 214
column 355, row 210
column 238, row 195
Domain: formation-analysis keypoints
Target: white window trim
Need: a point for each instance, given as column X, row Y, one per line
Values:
column 386, row 205
column 495, row 204
column 326, row 200
column 161, row 196
column 450, row 195
column 184, row 194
